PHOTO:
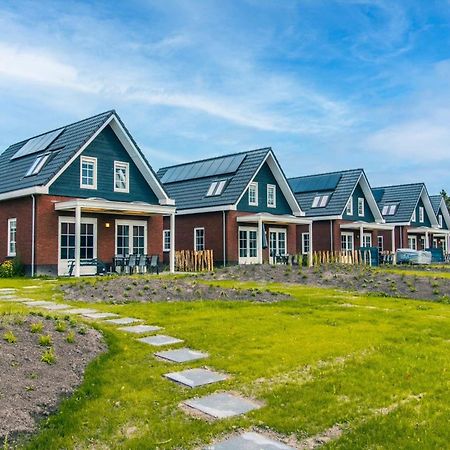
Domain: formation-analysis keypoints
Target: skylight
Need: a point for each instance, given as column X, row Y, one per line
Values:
column 38, row 164
column 390, row 209
column 216, row 188
column 320, row 201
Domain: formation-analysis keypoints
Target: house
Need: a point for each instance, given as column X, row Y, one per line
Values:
column 343, row 209
column 441, row 237
column 408, row 208
column 80, row 192
column 239, row 205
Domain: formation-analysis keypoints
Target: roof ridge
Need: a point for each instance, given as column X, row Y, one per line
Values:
column 327, row 173
column 110, row 112
column 216, row 157
column 399, row 185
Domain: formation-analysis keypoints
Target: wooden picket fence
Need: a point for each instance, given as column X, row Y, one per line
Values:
column 356, row 257
column 192, row 261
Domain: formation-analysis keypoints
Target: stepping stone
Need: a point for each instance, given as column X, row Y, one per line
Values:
column 38, row 303
column 140, row 329
column 31, row 287
column 222, row 405
column 123, row 321
column 196, row 377
column 181, row 355
column 81, row 311
column 7, row 290
column 7, row 297
column 57, row 307
column 11, row 298
column 160, row 340
column 249, row 441
column 100, row 315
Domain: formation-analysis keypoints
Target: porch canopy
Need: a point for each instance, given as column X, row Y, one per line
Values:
column 371, row 226
column 282, row 219
column 102, row 206
column 427, row 231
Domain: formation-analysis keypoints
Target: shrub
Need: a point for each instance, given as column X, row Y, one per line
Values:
column 36, row 327
column 49, row 356
column 45, row 340
column 10, row 337
column 70, row 338
column 60, row 326
column 11, row 268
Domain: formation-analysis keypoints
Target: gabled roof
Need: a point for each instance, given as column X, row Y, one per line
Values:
column 340, row 185
column 439, row 203
column 65, row 148
column 189, row 183
column 406, row 197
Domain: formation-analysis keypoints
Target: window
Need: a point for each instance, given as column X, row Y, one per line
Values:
column 421, row 214
column 271, row 196
column 347, row 241
column 199, row 239
column 216, row 188
column 38, row 164
column 361, row 208
column 389, row 210
column 131, row 237
column 67, row 238
column 414, row 216
column 320, row 201
column 380, row 243
column 121, row 177
column 87, row 241
column 367, row 240
column 253, row 194
column 305, row 243
column 166, row 240
column 412, row 242
column 88, row 172
column 440, row 221
column 12, row 235
column 349, row 209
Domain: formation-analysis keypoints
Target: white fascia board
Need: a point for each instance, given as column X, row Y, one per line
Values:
column 185, row 212
column 429, row 208
column 319, row 218
column 35, row 190
column 445, row 212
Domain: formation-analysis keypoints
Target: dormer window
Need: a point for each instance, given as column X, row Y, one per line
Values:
column 320, row 201
column 88, row 172
column 38, row 164
column 121, row 177
column 216, row 188
column 389, row 210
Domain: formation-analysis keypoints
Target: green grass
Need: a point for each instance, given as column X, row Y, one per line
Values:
column 322, row 358
column 417, row 272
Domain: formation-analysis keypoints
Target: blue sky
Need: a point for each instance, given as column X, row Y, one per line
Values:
column 329, row 84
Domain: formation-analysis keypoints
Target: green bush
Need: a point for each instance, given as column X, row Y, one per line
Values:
column 49, row 356
column 11, row 268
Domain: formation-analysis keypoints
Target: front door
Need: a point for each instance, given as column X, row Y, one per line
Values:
column 248, row 245
column 277, row 242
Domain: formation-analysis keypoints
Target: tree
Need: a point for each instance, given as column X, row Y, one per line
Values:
column 446, row 198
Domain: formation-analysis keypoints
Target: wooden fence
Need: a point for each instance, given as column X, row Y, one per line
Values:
column 192, row 261
column 356, row 257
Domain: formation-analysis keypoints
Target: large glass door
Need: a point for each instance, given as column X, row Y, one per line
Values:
column 277, row 242
column 131, row 237
column 248, row 245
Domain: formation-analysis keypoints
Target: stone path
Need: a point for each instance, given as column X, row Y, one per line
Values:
column 181, row 355
column 159, row 340
column 123, row 321
column 249, row 441
column 140, row 329
column 196, row 377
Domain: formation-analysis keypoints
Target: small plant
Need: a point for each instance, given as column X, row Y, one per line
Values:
column 36, row 327
column 82, row 330
column 70, row 338
column 10, row 337
column 60, row 326
column 45, row 340
column 49, row 356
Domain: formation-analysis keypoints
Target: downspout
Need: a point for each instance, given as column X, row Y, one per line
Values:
column 224, row 238
column 331, row 236
column 33, row 215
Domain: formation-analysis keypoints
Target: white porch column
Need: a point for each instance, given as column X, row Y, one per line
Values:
column 77, row 240
column 393, row 244
column 361, row 236
column 311, row 249
column 172, row 243
column 259, row 241
column 427, row 240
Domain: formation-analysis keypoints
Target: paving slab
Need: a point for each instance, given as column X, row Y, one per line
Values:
column 12, row 298
column 222, row 405
column 160, row 340
column 35, row 286
column 7, row 290
column 100, row 315
column 57, row 307
column 181, row 355
column 123, row 320
column 249, row 441
column 39, row 303
column 81, row 311
column 196, row 377
column 7, row 296
column 140, row 329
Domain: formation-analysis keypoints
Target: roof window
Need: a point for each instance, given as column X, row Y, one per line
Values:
column 390, row 209
column 38, row 164
column 320, row 201
column 216, row 188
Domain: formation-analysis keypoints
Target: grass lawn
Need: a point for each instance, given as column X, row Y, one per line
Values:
column 432, row 272
column 379, row 367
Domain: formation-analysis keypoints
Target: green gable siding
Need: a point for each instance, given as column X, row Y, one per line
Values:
column 263, row 178
column 444, row 224
column 368, row 216
column 107, row 149
column 427, row 222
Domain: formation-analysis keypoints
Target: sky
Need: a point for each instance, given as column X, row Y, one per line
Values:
column 328, row 84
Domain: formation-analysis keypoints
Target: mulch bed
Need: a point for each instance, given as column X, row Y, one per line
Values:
column 152, row 289
column 31, row 389
column 353, row 278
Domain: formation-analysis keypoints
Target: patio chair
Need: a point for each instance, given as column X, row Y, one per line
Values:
column 132, row 264
column 142, row 263
column 119, row 264
column 153, row 265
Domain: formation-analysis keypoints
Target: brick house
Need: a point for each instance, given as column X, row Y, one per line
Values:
column 344, row 212
column 77, row 193
column 442, row 236
column 409, row 209
column 240, row 206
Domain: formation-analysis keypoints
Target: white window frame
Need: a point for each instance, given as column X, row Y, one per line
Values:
column 349, row 209
column 126, row 166
column 412, row 239
column 380, row 239
column 304, row 251
column 11, row 221
column 361, row 207
column 202, row 229
column 131, row 223
column 272, row 187
column 38, row 164
column 166, row 248
column 440, row 220
column 421, row 214
column 253, row 186
column 348, row 234
column 88, row 160
column 414, row 216
column 367, row 236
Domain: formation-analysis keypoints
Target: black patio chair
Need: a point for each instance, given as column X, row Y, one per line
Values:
column 119, row 263
column 132, row 264
column 153, row 265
